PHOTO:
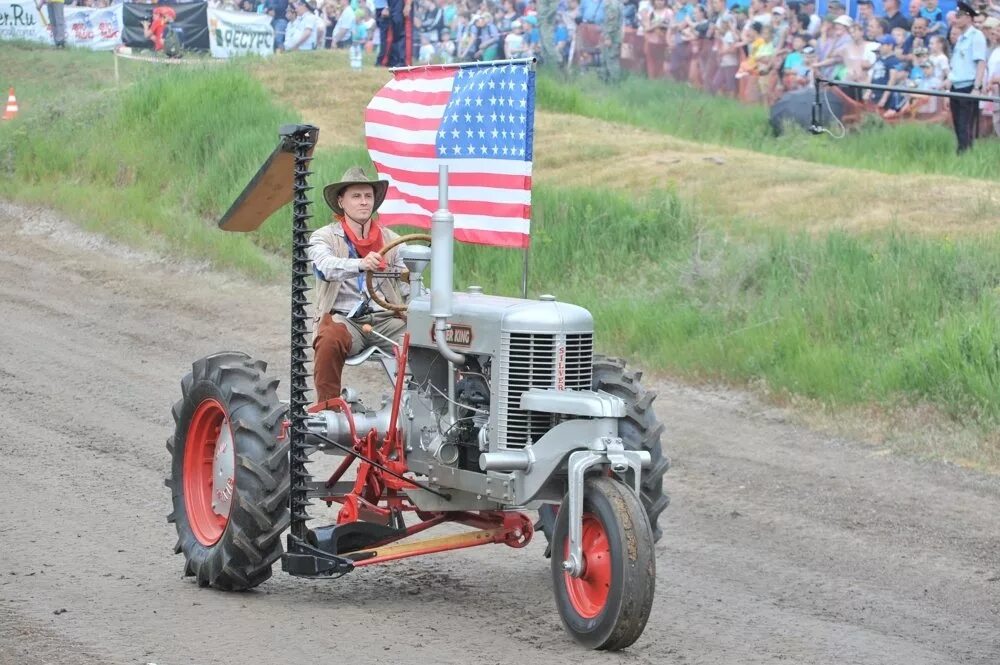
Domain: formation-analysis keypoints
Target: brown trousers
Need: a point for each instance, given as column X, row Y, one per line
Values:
column 338, row 337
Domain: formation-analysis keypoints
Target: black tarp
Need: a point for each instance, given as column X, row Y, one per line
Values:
column 796, row 107
column 191, row 24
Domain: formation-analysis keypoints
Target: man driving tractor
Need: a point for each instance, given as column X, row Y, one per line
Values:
column 341, row 252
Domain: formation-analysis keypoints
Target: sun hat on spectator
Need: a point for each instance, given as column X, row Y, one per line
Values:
column 531, row 19
column 844, row 20
column 516, row 23
column 778, row 10
column 991, row 22
column 886, row 39
column 920, row 50
column 809, row 50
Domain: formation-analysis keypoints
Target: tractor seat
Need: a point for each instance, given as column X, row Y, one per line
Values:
column 366, row 354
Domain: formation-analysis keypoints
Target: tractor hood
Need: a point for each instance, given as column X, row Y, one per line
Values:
column 480, row 322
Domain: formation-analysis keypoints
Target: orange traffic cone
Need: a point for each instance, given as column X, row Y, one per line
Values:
column 11, row 109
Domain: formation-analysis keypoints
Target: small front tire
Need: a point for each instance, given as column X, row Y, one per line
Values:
column 607, row 607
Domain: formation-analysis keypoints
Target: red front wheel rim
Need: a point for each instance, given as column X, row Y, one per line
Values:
column 589, row 593
column 208, row 451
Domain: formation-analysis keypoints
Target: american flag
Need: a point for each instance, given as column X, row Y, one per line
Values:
column 476, row 120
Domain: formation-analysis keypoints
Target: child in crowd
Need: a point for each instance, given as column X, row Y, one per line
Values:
column 935, row 18
column 939, row 59
column 514, row 44
column 754, row 42
column 899, row 36
column 809, row 59
column 446, row 50
column 364, row 28
column 796, row 73
column 426, row 54
column 922, row 78
column 887, row 70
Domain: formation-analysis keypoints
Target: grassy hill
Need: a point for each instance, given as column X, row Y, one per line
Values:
column 707, row 262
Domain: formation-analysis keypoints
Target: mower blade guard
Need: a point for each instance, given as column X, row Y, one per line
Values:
column 268, row 190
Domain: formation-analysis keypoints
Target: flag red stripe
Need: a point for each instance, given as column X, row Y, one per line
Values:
column 403, row 121
column 456, row 178
column 415, row 97
column 402, row 149
column 459, row 207
column 475, row 237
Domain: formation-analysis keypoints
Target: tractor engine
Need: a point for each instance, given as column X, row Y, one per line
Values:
column 509, row 346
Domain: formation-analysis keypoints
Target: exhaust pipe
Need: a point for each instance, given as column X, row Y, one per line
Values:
column 443, row 268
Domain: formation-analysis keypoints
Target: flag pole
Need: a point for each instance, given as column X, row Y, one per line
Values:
column 465, row 65
column 524, row 273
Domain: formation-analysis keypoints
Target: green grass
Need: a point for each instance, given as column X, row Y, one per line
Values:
column 685, row 112
column 845, row 320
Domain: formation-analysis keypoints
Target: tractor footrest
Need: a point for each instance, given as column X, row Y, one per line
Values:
column 303, row 560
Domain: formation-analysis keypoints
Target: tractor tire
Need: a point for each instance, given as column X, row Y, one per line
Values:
column 230, row 502
column 607, row 607
column 639, row 430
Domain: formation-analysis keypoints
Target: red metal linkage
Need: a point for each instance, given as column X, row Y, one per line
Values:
column 378, row 497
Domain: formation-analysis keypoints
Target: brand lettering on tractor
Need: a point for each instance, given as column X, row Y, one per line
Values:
column 226, row 493
column 457, row 335
column 561, row 367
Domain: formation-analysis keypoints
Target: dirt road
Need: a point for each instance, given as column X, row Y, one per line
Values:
column 780, row 544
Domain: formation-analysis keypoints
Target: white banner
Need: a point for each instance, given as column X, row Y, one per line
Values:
column 90, row 28
column 239, row 33
column 22, row 20
column 97, row 29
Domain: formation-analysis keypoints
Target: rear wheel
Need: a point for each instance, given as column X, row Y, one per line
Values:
column 639, row 429
column 608, row 605
column 229, row 473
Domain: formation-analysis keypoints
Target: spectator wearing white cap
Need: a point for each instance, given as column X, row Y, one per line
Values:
column 514, row 44
column 832, row 48
column 779, row 26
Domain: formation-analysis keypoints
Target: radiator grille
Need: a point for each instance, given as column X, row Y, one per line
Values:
column 530, row 361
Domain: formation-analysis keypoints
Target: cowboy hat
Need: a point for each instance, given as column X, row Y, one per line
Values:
column 354, row 176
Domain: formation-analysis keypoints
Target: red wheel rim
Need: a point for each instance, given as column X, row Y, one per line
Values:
column 207, row 506
column 589, row 592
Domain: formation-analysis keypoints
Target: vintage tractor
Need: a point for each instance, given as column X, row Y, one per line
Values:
column 498, row 406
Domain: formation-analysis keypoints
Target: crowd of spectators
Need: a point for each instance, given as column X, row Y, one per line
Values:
column 758, row 52
column 754, row 50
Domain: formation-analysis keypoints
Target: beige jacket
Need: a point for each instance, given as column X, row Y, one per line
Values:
column 330, row 255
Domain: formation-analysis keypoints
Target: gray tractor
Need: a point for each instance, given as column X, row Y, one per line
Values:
column 498, row 406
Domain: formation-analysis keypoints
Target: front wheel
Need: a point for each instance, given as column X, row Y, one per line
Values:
column 608, row 605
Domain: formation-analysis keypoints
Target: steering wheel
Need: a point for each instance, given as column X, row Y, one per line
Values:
column 369, row 275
